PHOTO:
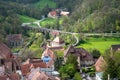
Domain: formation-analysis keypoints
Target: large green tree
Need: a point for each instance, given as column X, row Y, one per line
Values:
column 113, row 65
column 69, row 69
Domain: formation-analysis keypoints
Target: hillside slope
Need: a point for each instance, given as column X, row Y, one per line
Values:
column 96, row 16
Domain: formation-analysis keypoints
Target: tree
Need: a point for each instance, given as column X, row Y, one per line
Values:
column 71, row 70
column 95, row 53
column 70, row 67
column 72, row 60
column 113, row 63
column 77, row 76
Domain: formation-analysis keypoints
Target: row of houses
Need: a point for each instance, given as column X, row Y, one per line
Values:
column 43, row 68
column 57, row 13
column 9, row 64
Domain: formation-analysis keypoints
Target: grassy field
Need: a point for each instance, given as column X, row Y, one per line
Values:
column 102, row 44
column 48, row 21
column 43, row 3
column 25, row 19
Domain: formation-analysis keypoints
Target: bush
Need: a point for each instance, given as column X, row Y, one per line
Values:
column 77, row 76
column 95, row 53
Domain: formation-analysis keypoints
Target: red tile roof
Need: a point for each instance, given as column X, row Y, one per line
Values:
column 14, row 76
column 53, row 13
column 5, row 52
column 25, row 69
column 40, row 64
column 50, row 53
column 40, row 76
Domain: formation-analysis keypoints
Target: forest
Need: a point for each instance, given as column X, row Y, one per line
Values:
column 91, row 16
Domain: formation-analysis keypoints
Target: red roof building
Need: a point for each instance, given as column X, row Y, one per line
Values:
column 53, row 14
column 12, row 76
column 100, row 64
column 84, row 58
column 50, row 53
column 5, row 51
column 25, row 69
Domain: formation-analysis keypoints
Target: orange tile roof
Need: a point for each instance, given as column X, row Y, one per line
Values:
column 40, row 76
column 25, row 69
column 99, row 64
column 40, row 64
column 50, row 53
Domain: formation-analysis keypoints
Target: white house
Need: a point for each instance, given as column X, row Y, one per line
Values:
column 57, row 42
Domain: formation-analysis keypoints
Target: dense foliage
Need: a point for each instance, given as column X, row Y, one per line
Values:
column 10, row 12
column 69, row 70
column 22, row 1
column 95, row 16
column 113, row 65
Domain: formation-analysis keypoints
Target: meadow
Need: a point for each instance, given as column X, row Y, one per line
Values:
column 101, row 44
column 26, row 19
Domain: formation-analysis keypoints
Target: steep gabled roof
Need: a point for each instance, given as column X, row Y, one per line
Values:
column 49, row 52
column 78, row 52
column 25, row 69
column 58, row 40
column 40, row 76
column 40, row 64
column 70, row 49
column 99, row 64
column 5, row 52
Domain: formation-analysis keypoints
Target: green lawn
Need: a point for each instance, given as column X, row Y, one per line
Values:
column 25, row 19
column 101, row 44
column 48, row 21
column 43, row 3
